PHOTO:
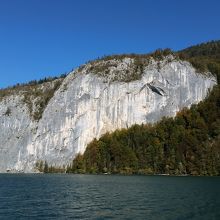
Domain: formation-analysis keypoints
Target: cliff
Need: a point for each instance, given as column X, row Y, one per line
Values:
column 55, row 121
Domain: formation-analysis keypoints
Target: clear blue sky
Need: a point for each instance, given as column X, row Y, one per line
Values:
column 41, row 38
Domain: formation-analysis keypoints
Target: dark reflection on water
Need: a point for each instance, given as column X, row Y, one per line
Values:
column 108, row 197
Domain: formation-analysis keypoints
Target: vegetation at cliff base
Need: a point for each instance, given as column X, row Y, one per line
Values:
column 186, row 144
column 43, row 167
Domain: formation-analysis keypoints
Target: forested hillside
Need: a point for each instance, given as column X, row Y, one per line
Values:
column 186, row 144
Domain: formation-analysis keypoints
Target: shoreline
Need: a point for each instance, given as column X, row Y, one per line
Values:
column 103, row 174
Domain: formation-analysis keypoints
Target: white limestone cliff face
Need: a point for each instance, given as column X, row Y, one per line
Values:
column 88, row 105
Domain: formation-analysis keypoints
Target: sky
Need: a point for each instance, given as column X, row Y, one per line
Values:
column 41, row 38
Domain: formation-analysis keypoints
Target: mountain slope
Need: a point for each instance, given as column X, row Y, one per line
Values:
column 187, row 144
column 99, row 97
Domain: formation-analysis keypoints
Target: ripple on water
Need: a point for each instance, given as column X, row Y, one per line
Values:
column 108, row 197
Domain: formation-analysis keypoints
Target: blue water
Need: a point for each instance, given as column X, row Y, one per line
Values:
column 108, row 197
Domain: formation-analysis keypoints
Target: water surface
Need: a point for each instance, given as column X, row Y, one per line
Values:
column 38, row 196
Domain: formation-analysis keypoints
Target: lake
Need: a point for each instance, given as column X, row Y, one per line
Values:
column 62, row 196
